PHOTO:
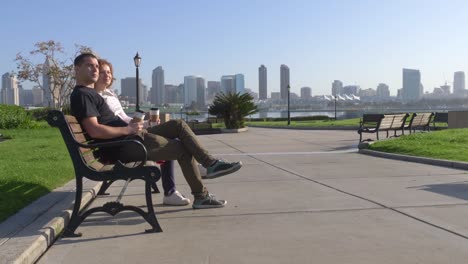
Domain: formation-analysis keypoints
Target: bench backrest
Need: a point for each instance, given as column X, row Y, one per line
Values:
column 371, row 118
column 421, row 119
column 440, row 117
column 76, row 140
column 395, row 121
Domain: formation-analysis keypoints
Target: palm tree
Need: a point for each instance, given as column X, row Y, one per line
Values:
column 233, row 108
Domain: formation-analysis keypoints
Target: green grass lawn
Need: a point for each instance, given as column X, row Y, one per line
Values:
column 32, row 163
column 448, row 144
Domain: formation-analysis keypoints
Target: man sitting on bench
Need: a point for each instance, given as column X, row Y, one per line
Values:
column 173, row 140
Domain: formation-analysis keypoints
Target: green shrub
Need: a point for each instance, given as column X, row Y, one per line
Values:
column 39, row 114
column 13, row 116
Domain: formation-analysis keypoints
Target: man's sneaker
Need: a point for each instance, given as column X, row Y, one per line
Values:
column 209, row 201
column 175, row 199
column 221, row 168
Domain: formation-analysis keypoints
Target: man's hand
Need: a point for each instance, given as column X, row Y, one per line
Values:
column 96, row 130
column 134, row 127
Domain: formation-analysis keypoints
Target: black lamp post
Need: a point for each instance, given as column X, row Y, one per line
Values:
column 289, row 115
column 137, row 60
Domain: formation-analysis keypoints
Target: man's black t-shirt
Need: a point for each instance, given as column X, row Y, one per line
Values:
column 86, row 102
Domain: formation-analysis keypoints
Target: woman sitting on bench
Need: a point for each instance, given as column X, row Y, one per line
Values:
column 102, row 86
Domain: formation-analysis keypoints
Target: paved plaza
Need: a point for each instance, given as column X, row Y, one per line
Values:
column 302, row 196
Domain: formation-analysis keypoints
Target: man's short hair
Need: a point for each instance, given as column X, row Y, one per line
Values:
column 79, row 59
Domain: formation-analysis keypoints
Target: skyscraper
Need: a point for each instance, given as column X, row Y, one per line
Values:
column 128, row 90
column 262, row 82
column 459, row 83
column 212, row 88
column 158, row 93
column 383, row 90
column 306, row 93
column 284, row 81
column 337, row 87
column 233, row 83
column 9, row 92
column 194, row 93
column 38, row 96
column 228, row 84
column 240, row 84
column 412, row 88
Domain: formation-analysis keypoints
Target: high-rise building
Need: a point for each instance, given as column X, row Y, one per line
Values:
column 240, row 84
column 172, row 94
column 275, row 95
column 306, row 93
column 193, row 87
column 459, row 83
column 201, row 92
column 233, row 83
column 212, row 88
column 10, row 91
column 38, row 96
column 51, row 91
column 337, row 87
column 158, row 93
column 412, row 88
column 262, row 82
column 228, row 84
column 351, row 89
column 128, row 90
column 284, row 81
column 26, row 96
column 383, row 90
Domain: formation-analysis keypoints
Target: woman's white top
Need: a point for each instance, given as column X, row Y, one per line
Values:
column 112, row 100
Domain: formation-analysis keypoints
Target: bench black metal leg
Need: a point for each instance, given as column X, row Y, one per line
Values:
column 75, row 217
column 151, row 216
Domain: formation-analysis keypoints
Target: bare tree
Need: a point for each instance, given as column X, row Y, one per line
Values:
column 54, row 75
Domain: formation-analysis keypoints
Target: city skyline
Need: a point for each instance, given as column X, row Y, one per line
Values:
column 360, row 43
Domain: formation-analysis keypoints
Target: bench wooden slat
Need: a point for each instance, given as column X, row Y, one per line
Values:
column 80, row 138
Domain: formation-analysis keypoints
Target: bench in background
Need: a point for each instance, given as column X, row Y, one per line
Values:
column 375, row 123
column 421, row 121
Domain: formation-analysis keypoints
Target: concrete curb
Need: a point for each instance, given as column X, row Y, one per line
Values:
column 25, row 236
column 436, row 162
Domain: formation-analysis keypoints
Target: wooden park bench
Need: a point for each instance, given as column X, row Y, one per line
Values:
column 439, row 117
column 421, row 121
column 374, row 123
column 87, row 164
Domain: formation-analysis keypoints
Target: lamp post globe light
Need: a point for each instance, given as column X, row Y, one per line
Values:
column 289, row 114
column 137, row 60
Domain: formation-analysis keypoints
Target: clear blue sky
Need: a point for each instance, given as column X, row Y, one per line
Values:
column 355, row 41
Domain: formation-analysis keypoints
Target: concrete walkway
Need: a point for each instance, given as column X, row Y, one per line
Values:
column 303, row 196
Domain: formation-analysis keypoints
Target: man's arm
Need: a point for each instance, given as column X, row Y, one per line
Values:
column 96, row 130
